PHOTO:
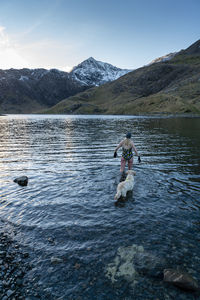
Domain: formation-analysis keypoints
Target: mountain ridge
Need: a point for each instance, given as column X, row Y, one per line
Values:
column 30, row 90
column 171, row 86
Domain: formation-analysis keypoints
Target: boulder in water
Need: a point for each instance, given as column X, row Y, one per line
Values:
column 181, row 279
column 23, row 180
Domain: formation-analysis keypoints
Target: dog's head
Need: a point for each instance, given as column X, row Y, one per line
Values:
column 131, row 172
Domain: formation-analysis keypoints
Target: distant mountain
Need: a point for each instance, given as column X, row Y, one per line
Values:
column 30, row 90
column 169, row 86
column 27, row 91
column 94, row 73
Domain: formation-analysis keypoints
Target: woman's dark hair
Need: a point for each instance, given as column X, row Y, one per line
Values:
column 128, row 135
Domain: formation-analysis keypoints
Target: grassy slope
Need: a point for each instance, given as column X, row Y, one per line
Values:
column 170, row 87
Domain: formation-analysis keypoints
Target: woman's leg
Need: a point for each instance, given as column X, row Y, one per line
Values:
column 123, row 164
column 130, row 163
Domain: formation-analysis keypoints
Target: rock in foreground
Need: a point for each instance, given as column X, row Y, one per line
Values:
column 23, row 180
column 181, row 279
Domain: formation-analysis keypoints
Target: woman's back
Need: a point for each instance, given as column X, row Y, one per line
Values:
column 127, row 149
column 127, row 144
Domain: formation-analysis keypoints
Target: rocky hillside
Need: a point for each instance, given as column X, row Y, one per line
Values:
column 163, row 58
column 28, row 91
column 169, row 86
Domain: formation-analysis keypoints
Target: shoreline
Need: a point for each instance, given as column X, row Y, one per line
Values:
column 146, row 115
column 14, row 265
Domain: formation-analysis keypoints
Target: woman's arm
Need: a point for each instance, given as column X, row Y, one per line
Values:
column 115, row 152
column 120, row 145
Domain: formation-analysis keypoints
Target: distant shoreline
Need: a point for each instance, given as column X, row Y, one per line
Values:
column 169, row 115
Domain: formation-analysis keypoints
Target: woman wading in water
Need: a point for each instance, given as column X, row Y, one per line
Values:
column 127, row 152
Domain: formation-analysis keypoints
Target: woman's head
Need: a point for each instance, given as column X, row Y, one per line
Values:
column 127, row 141
column 128, row 135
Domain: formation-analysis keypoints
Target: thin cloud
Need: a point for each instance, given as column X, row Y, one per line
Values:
column 44, row 53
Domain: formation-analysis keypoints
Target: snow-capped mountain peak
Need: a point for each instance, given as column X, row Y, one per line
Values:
column 94, row 73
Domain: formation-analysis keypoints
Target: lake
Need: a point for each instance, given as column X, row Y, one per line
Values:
column 67, row 211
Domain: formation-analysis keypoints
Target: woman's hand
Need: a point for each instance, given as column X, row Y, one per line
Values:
column 115, row 154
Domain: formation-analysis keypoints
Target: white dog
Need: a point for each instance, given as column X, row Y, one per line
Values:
column 126, row 185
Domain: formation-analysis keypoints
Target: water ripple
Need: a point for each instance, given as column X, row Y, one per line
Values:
column 72, row 181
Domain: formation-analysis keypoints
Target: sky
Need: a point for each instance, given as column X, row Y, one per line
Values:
column 125, row 33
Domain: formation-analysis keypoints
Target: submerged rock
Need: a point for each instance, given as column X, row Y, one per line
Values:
column 51, row 240
column 56, row 260
column 132, row 263
column 23, row 180
column 149, row 265
column 181, row 279
column 77, row 266
column 124, row 264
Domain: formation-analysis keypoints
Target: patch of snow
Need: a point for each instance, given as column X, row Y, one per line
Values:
column 166, row 57
column 23, row 78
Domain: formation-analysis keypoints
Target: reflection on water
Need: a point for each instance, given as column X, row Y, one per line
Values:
column 72, row 182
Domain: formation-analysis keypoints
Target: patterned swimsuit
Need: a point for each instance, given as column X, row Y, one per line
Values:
column 127, row 154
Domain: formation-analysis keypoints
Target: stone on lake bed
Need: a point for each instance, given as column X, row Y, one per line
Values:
column 9, row 293
column 181, row 279
column 132, row 263
column 23, row 180
column 123, row 264
column 56, row 260
column 19, row 282
column 2, row 253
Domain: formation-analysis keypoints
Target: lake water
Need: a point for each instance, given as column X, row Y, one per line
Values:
column 67, row 211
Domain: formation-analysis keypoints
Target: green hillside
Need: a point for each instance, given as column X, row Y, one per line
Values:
column 165, row 87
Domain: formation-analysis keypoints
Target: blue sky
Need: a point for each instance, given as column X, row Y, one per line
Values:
column 62, row 33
